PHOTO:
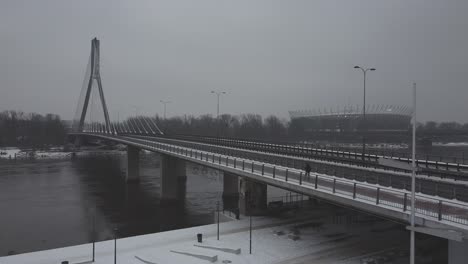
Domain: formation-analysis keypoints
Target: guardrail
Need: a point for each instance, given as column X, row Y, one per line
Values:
column 435, row 160
column 435, row 208
column 433, row 165
column 372, row 152
column 309, row 149
column 384, row 176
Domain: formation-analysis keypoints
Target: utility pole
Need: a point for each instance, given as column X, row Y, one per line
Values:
column 217, row 209
column 250, row 235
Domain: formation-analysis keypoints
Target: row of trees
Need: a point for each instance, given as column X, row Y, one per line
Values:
column 244, row 126
column 30, row 129
column 37, row 131
column 445, row 128
column 272, row 127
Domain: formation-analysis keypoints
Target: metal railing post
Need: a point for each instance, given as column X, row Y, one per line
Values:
column 286, row 174
column 263, row 169
column 354, row 191
column 405, row 199
column 274, row 171
column 378, row 196
column 243, row 164
column 252, row 166
column 316, row 180
column 334, row 185
column 440, row 210
column 300, row 178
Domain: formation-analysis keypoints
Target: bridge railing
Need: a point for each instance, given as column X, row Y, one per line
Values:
column 445, row 188
column 426, row 161
column 426, row 206
column 429, row 168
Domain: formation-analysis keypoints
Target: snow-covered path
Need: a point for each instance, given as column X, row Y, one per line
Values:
column 318, row 241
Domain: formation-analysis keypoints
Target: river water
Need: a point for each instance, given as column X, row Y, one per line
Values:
column 49, row 204
column 58, row 203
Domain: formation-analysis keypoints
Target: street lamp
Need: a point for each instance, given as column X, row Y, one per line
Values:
column 218, row 94
column 364, row 71
column 165, row 103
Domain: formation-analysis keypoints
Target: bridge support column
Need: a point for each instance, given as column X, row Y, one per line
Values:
column 230, row 191
column 252, row 198
column 173, row 179
column 133, row 164
column 457, row 252
column 78, row 141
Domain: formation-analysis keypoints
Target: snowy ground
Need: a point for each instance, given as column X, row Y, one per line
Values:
column 6, row 153
column 450, row 144
column 56, row 153
column 319, row 240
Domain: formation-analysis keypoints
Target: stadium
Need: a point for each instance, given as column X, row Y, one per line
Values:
column 380, row 119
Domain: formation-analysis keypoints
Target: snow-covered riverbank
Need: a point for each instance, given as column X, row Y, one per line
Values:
column 309, row 238
column 12, row 153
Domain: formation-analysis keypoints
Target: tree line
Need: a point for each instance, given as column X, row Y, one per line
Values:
column 34, row 130
column 242, row 126
column 273, row 127
column 30, row 130
column 442, row 128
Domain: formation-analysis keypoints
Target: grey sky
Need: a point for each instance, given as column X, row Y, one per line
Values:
column 270, row 56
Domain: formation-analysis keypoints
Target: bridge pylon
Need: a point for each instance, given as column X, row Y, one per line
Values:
column 93, row 74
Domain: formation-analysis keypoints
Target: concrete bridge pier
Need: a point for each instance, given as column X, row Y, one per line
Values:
column 230, row 191
column 133, row 164
column 253, row 197
column 173, row 179
column 78, row 141
column 457, row 252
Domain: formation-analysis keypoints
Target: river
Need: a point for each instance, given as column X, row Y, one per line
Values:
column 57, row 203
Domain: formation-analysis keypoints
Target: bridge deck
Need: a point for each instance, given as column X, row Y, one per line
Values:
column 431, row 211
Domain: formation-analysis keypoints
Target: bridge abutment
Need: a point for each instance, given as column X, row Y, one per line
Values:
column 457, row 252
column 173, row 179
column 133, row 164
column 253, row 197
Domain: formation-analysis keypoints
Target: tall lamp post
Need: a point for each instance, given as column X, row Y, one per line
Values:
column 413, row 181
column 364, row 71
column 218, row 94
column 165, row 103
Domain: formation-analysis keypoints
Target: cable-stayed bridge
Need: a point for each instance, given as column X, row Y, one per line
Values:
column 340, row 177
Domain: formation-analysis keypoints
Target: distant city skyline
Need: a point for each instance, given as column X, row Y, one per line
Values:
column 270, row 57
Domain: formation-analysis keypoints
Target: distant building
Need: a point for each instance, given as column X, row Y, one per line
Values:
column 379, row 119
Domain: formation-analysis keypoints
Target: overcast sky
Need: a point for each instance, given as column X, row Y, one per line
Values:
column 269, row 56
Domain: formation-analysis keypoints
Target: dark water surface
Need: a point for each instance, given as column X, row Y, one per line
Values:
column 49, row 204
